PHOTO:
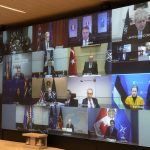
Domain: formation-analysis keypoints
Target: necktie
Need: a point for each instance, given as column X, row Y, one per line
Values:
column 47, row 45
column 90, row 103
column 49, row 70
column 139, row 34
column 111, row 130
column 90, row 65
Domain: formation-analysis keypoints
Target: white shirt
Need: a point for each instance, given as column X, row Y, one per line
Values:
column 85, row 42
column 49, row 70
column 47, row 45
column 90, row 64
column 140, row 34
column 91, row 104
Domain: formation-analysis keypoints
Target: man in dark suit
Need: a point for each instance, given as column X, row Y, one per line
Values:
column 46, row 45
column 18, row 75
column 70, row 101
column 90, row 67
column 49, row 69
column 111, row 132
column 140, row 31
column 70, row 125
column 90, row 102
column 86, row 37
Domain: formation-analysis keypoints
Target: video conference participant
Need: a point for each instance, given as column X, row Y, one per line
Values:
column 134, row 101
column 49, row 68
column 86, row 37
column 90, row 101
column 70, row 101
column 18, row 97
column 70, row 125
column 18, row 74
column 90, row 67
column 111, row 132
column 140, row 30
column 46, row 44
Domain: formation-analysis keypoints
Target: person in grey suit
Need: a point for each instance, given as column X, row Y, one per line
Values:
column 90, row 101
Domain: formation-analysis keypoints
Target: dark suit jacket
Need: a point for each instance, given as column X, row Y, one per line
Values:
column 112, row 135
column 85, row 102
column 92, row 70
column 127, row 57
column 132, row 34
column 18, row 76
column 46, row 70
column 70, row 126
column 43, row 45
column 91, row 40
column 72, row 103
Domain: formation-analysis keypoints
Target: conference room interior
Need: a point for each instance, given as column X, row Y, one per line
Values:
column 55, row 82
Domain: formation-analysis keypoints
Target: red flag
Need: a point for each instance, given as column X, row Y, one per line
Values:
column 72, row 63
column 60, row 120
column 103, row 120
column 102, row 125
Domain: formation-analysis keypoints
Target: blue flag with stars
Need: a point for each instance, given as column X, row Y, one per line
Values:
column 123, row 126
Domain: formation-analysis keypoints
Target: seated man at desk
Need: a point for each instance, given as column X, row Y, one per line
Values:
column 90, row 67
column 70, row 101
column 140, row 29
column 90, row 101
column 18, row 75
column 111, row 132
column 86, row 37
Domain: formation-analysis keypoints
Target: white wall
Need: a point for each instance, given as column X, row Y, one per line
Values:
column 37, row 61
column 61, row 59
column 144, row 128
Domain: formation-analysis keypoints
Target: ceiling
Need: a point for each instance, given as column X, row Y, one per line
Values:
column 33, row 10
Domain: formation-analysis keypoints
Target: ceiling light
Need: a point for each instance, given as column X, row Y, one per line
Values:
column 13, row 9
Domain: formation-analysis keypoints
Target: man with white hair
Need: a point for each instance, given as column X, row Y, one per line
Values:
column 140, row 30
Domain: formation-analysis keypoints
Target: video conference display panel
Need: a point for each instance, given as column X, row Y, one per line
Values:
column 131, row 91
column 90, row 29
column 67, row 90
column 130, row 37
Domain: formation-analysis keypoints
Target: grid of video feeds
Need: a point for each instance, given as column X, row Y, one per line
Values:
column 96, row 86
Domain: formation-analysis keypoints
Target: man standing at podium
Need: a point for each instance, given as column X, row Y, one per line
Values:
column 70, row 125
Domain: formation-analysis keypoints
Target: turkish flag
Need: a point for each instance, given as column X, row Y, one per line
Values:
column 72, row 70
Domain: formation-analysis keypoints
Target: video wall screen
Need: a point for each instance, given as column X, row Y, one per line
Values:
column 86, row 76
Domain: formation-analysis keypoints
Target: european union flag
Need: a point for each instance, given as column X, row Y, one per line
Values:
column 148, row 97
